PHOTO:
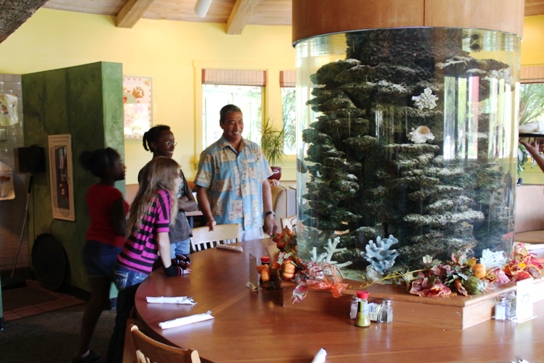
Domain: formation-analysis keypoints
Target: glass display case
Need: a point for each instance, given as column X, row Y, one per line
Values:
column 408, row 132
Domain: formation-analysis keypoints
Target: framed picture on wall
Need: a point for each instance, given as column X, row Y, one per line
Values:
column 60, row 175
column 137, row 106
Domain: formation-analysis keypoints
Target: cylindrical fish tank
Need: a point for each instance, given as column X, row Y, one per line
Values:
column 409, row 132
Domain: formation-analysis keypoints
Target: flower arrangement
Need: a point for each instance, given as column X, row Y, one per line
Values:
column 318, row 274
column 461, row 275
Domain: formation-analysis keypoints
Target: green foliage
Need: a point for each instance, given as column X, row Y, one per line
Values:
column 272, row 143
column 531, row 108
column 531, row 103
column 288, row 107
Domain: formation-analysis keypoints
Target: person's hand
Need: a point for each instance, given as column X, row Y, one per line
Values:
column 183, row 261
column 211, row 224
column 270, row 226
column 172, row 271
column 532, row 147
column 273, row 182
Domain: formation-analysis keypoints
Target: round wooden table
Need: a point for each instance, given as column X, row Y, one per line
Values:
column 254, row 327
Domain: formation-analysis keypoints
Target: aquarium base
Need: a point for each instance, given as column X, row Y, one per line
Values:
column 456, row 312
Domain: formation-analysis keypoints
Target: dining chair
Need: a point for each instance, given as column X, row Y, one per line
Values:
column 149, row 350
column 129, row 352
column 289, row 222
column 203, row 238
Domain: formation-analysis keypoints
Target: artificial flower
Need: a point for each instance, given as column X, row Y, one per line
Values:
column 457, row 276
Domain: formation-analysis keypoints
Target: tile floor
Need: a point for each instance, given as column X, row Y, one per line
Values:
column 62, row 301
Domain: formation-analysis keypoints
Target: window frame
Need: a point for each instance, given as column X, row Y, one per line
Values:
column 531, row 74
column 272, row 100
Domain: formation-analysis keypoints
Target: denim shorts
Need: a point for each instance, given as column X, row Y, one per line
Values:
column 123, row 277
column 99, row 258
column 180, row 248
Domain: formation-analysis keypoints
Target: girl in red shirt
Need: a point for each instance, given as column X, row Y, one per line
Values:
column 104, row 239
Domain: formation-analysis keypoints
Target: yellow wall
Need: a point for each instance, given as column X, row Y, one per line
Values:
column 167, row 51
column 172, row 54
column 532, row 45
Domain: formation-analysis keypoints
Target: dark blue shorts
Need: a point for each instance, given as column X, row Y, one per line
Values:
column 99, row 258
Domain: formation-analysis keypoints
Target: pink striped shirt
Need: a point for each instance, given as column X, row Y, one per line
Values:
column 140, row 249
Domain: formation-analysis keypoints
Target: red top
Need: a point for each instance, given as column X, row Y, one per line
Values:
column 99, row 198
column 362, row 294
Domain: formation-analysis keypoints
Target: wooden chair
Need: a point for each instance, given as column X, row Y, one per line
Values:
column 203, row 238
column 129, row 351
column 289, row 222
column 151, row 351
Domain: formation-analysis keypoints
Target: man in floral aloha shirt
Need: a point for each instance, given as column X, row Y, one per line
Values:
column 232, row 185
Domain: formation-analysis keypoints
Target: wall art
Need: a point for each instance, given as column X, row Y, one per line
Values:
column 60, row 174
column 137, row 106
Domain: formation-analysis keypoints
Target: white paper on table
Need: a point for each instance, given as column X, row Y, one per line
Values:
column 320, row 357
column 230, row 248
column 186, row 320
column 524, row 300
column 184, row 300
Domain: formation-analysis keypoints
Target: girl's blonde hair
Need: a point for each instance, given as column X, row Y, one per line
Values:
column 160, row 173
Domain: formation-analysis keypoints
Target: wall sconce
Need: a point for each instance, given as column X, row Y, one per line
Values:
column 202, row 7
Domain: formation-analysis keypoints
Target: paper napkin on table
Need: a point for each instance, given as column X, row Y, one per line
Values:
column 186, row 320
column 230, row 248
column 171, row 300
column 320, row 357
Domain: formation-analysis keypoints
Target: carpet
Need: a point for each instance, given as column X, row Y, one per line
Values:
column 52, row 336
column 25, row 296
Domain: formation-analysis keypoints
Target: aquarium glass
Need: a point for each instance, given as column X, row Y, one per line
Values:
column 410, row 133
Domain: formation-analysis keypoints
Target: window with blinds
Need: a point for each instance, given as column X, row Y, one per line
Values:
column 243, row 88
column 531, row 103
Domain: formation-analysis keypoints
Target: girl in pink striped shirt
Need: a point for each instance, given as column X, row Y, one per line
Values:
column 147, row 236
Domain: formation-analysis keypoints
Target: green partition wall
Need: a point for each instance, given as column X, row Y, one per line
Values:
column 86, row 102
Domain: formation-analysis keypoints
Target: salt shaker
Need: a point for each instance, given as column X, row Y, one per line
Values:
column 386, row 312
column 511, row 306
column 353, row 307
column 500, row 309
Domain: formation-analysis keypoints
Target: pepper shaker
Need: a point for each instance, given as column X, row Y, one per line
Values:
column 386, row 312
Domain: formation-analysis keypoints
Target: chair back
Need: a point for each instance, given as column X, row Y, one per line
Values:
column 129, row 352
column 203, row 238
column 149, row 350
column 289, row 222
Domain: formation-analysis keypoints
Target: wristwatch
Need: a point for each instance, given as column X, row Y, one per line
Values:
column 269, row 213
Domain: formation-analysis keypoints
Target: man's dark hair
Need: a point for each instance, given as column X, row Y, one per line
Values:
column 226, row 110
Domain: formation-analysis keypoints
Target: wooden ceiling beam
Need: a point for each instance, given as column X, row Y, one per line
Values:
column 132, row 11
column 240, row 14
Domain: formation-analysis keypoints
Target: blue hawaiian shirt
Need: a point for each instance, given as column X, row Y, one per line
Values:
column 234, row 182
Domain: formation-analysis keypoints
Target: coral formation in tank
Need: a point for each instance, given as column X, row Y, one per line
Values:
column 420, row 135
column 367, row 176
column 379, row 254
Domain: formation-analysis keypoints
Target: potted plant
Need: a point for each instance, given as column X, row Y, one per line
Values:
column 272, row 146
